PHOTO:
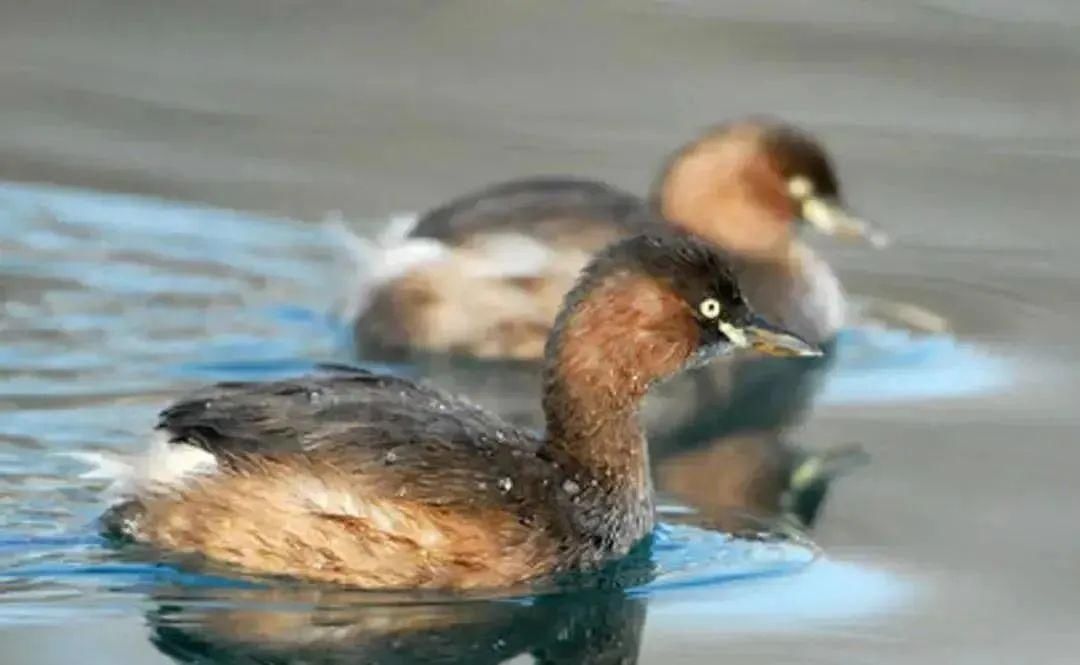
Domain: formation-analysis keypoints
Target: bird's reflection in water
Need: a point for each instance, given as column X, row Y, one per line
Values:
column 720, row 443
column 596, row 625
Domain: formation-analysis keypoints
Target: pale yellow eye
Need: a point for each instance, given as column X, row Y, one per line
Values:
column 709, row 308
column 800, row 187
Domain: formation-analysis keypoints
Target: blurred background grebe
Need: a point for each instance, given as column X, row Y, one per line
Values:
column 164, row 167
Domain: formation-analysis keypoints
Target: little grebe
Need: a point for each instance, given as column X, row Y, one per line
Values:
column 374, row 481
column 483, row 275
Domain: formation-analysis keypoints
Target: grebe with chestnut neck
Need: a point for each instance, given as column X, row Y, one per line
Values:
column 483, row 275
column 375, row 481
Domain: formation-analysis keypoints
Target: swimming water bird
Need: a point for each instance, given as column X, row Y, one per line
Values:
column 375, row 481
column 483, row 275
column 479, row 279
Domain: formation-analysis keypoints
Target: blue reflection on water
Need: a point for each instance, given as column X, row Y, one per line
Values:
column 828, row 591
column 881, row 365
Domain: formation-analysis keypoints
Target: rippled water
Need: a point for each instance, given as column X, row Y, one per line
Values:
column 242, row 124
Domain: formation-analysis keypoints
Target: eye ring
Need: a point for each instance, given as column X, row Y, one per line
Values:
column 710, row 308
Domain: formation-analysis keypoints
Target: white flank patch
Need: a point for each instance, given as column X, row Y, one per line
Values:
column 509, row 255
column 171, row 464
column 392, row 253
column 164, row 465
column 382, row 258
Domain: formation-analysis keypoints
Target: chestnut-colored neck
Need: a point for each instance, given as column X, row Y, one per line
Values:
column 617, row 337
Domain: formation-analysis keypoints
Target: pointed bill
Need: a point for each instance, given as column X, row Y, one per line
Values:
column 831, row 218
column 763, row 337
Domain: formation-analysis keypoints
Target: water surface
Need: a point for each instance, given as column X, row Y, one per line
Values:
column 244, row 123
